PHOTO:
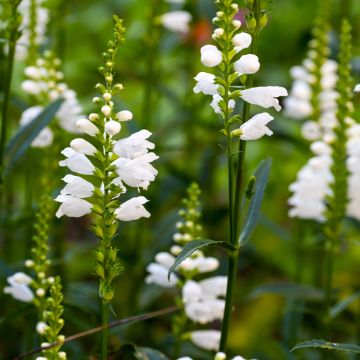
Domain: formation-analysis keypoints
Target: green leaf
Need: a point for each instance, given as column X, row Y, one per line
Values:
column 322, row 344
column 304, row 292
column 133, row 352
column 22, row 140
column 261, row 176
column 194, row 245
column 343, row 304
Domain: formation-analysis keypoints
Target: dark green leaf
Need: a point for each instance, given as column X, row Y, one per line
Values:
column 194, row 245
column 289, row 290
column 261, row 178
column 322, row 344
column 342, row 305
column 133, row 352
column 22, row 140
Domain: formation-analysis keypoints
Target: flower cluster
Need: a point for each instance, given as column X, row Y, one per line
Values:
column 319, row 178
column 104, row 166
column 218, row 356
column 44, row 84
column 202, row 300
column 35, row 18
column 226, row 57
column 177, row 20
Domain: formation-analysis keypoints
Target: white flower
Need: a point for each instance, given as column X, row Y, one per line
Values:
column 210, row 55
column 214, row 286
column 206, row 311
column 19, row 288
column 134, row 146
column 124, row 115
column 70, row 111
column 215, row 103
column 165, row 259
column 205, row 84
column 206, row 264
column 206, row 339
column 177, row 21
column 247, row 64
column 83, row 147
column 137, row 172
column 132, row 209
column 241, row 41
column 87, row 127
column 41, row 326
column 357, row 88
column 77, row 162
column 77, row 187
column 311, row 130
column 255, row 128
column 45, row 136
column 297, row 108
column 158, row 274
column 191, row 292
column 112, row 127
column 264, row 96
column 72, row 206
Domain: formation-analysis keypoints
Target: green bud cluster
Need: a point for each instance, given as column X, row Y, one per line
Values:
column 257, row 17
column 338, row 200
column 319, row 52
column 52, row 316
column 12, row 32
column 190, row 228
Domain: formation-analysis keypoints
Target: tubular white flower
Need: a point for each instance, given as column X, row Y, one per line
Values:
column 137, row 172
column 264, row 96
column 132, row 209
column 134, row 146
column 77, row 162
column 45, row 136
column 205, row 84
column 77, row 187
column 357, row 88
column 191, row 292
column 311, row 131
column 158, row 274
column 177, row 21
column 215, row 103
column 206, row 311
column 41, row 326
column 210, row 55
column 83, row 147
column 87, row 127
column 206, row 339
column 214, row 286
column 72, row 206
column 241, row 41
column 255, row 128
column 19, row 288
column 247, row 64
column 165, row 259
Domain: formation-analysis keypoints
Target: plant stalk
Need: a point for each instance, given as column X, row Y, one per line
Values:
column 105, row 329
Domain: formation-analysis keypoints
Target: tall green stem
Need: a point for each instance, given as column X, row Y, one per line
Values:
column 235, row 180
column 105, row 331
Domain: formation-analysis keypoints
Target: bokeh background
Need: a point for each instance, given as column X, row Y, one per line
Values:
column 157, row 68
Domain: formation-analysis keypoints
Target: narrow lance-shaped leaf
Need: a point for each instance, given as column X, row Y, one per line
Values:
column 326, row 345
column 194, row 245
column 261, row 176
column 22, row 140
column 342, row 305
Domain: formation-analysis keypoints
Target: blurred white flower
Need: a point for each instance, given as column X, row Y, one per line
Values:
column 206, row 339
column 177, row 21
column 19, row 287
column 158, row 274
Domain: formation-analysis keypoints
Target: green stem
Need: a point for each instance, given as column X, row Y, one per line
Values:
column 105, row 331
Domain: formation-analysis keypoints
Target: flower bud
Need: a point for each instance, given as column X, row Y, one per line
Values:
column 87, row 127
column 124, row 115
column 40, row 292
column 107, row 96
column 93, row 117
column 210, row 55
column 106, row 110
column 236, row 24
column 83, row 147
column 29, row 263
column 112, row 127
column 218, row 32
